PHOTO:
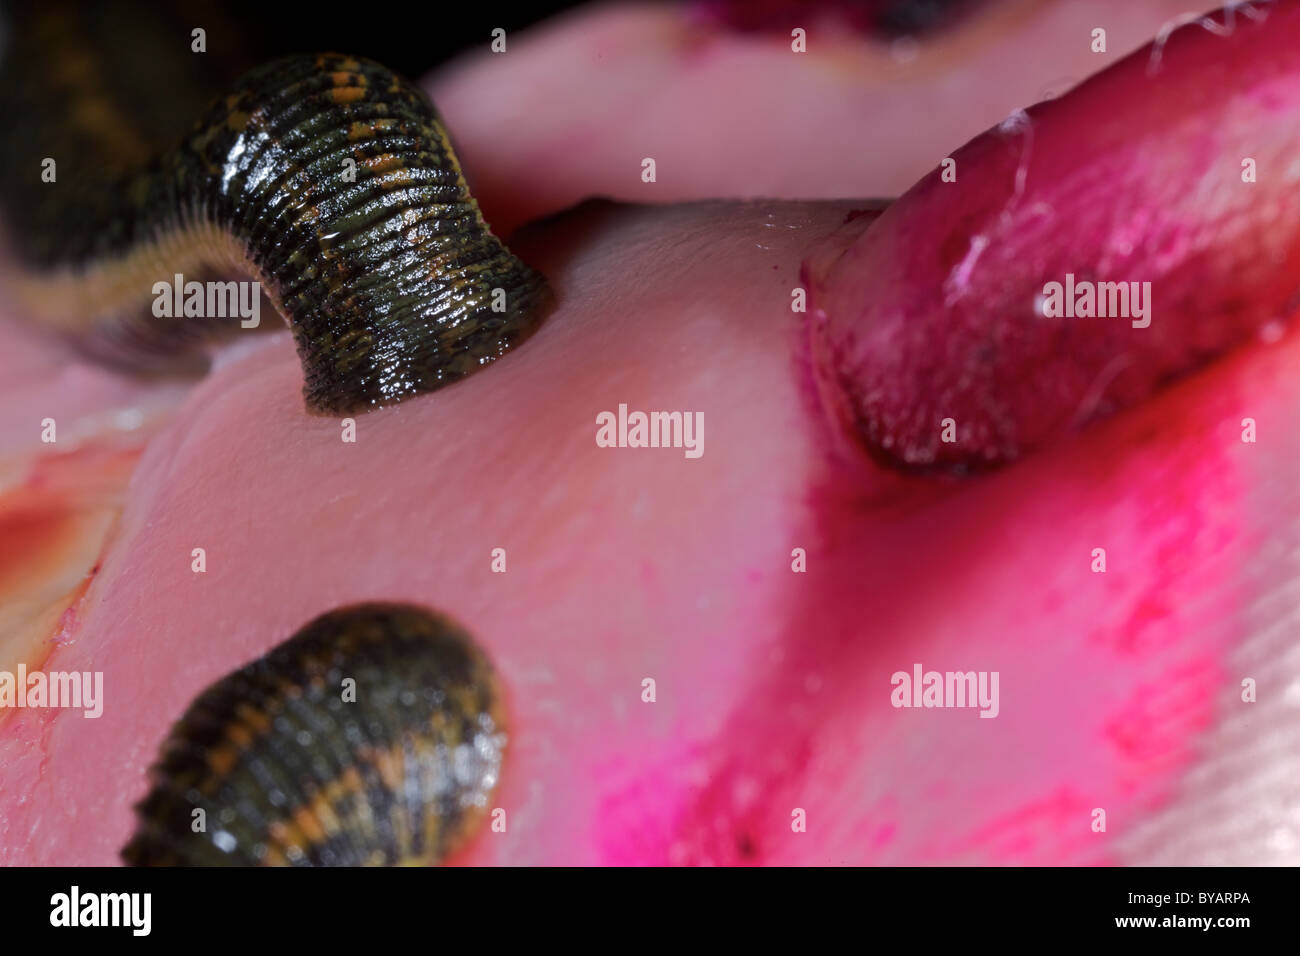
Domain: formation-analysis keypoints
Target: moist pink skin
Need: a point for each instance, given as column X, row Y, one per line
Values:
column 1135, row 176
column 468, row 469
column 773, row 687
column 729, row 114
column 59, row 500
column 39, row 375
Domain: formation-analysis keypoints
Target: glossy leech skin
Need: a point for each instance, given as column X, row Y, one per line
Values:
column 326, row 177
column 288, row 772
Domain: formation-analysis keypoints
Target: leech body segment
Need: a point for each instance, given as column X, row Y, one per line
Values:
column 328, row 179
column 373, row 736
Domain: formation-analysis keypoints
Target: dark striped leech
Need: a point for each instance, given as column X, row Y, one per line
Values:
column 373, row 736
column 328, row 179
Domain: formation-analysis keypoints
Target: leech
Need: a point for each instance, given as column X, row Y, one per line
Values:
column 373, row 736
column 329, row 180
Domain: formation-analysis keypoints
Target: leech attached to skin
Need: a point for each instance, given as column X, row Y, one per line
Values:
column 333, row 183
column 373, row 736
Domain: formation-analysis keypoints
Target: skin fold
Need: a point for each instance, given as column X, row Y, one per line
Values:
column 1119, row 691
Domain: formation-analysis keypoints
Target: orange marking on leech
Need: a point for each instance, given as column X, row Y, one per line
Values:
column 253, row 717
column 310, row 215
column 346, row 94
column 321, row 807
column 351, row 781
column 348, row 78
column 388, row 763
column 221, row 760
column 305, row 820
column 285, row 833
column 239, row 738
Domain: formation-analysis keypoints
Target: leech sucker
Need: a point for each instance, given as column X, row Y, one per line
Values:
column 373, row 736
column 331, row 182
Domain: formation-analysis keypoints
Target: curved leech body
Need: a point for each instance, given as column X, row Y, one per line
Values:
column 333, row 183
column 290, row 767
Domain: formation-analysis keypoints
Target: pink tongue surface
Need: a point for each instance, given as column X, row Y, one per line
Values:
column 1078, row 256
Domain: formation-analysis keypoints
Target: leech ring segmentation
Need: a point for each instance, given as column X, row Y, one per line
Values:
column 333, row 182
column 373, row 736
